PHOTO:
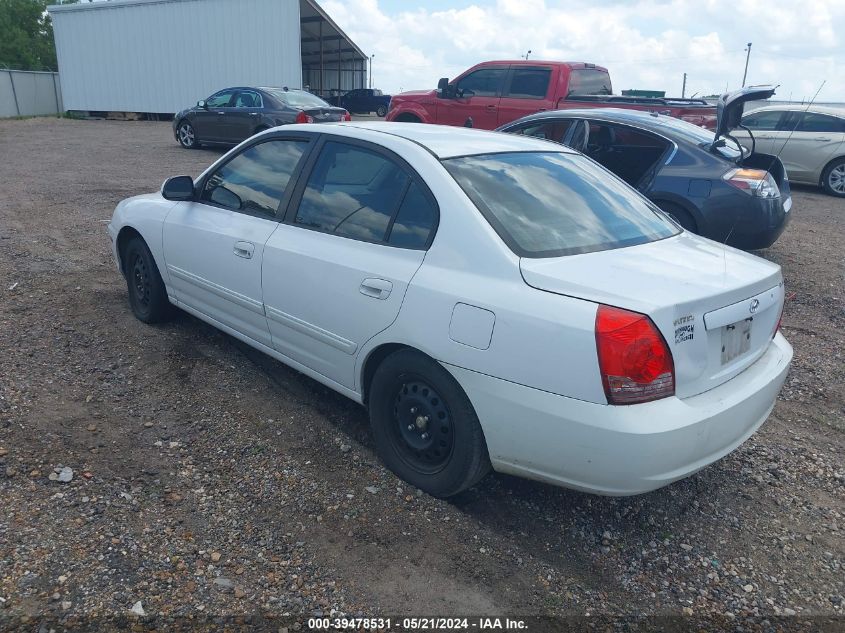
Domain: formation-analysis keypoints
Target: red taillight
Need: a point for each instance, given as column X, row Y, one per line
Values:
column 304, row 118
column 347, row 116
column 634, row 360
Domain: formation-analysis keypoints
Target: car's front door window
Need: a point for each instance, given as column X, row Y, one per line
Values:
column 220, row 99
column 765, row 121
column 255, row 180
column 482, row 83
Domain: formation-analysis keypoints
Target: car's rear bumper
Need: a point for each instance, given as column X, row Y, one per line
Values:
column 621, row 450
column 755, row 224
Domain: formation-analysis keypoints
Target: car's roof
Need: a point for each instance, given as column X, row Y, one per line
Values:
column 819, row 109
column 622, row 115
column 448, row 142
column 281, row 89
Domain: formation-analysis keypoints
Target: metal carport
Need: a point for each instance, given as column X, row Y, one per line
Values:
column 331, row 61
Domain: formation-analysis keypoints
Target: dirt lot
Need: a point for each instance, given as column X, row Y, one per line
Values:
column 208, row 478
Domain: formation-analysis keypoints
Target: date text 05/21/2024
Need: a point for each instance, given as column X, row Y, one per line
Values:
column 416, row 624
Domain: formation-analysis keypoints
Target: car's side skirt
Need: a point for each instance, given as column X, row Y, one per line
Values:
column 328, row 382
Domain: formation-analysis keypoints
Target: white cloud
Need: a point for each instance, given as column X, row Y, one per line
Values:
column 645, row 44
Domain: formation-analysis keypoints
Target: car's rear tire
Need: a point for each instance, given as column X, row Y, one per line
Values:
column 381, row 111
column 833, row 178
column 186, row 135
column 679, row 215
column 425, row 427
column 147, row 293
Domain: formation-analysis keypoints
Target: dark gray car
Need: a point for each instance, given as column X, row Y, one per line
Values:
column 234, row 114
column 704, row 182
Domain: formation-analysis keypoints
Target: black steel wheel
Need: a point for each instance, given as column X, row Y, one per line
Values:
column 147, row 294
column 425, row 427
column 423, row 430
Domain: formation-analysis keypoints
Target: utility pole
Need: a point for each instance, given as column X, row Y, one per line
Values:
column 526, row 54
column 747, row 57
column 371, row 69
column 684, row 88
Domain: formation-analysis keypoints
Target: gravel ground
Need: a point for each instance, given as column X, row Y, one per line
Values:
column 206, row 478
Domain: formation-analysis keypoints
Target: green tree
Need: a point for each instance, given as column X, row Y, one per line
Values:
column 26, row 35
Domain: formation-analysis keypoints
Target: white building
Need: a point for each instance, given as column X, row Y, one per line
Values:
column 163, row 55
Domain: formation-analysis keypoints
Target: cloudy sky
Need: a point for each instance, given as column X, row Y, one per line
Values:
column 646, row 44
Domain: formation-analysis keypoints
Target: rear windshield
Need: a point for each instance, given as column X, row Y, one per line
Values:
column 589, row 81
column 548, row 204
column 299, row 99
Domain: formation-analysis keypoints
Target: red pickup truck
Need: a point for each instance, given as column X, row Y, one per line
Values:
column 491, row 94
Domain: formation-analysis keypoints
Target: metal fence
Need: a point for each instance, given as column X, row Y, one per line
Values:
column 29, row 93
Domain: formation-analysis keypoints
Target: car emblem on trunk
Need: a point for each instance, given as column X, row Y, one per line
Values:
column 755, row 303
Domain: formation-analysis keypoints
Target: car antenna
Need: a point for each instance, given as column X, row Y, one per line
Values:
column 776, row 156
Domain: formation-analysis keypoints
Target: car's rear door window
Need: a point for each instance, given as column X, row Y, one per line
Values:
column 365, row 194
column 248, row 99
column 352, row 191
column 528, row 83
column 823, row 123
column 255, row 180
column 548, row 204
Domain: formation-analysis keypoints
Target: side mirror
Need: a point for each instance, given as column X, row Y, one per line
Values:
column 202, row 104
column 178, row 188
column 443, row 88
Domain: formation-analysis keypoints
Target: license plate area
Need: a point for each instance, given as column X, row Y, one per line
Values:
column 736, row 340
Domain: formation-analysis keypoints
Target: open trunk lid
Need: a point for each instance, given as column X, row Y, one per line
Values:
column 731, row 105
column 717, row 307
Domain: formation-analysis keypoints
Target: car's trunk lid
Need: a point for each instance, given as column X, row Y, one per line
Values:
column 325, row 114
column 730, row 106
column 717, row 307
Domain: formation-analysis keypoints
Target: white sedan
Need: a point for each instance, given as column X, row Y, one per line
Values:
column 493, row 300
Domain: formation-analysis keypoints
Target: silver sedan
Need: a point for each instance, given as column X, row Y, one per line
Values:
column 809, row 140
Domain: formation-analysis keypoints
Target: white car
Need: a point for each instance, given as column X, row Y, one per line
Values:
column 493, row 300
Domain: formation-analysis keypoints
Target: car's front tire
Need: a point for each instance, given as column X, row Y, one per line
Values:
column 833, row 178
column 425, row 427
column 381, row 111
column 147, row 294
column 186, row 135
